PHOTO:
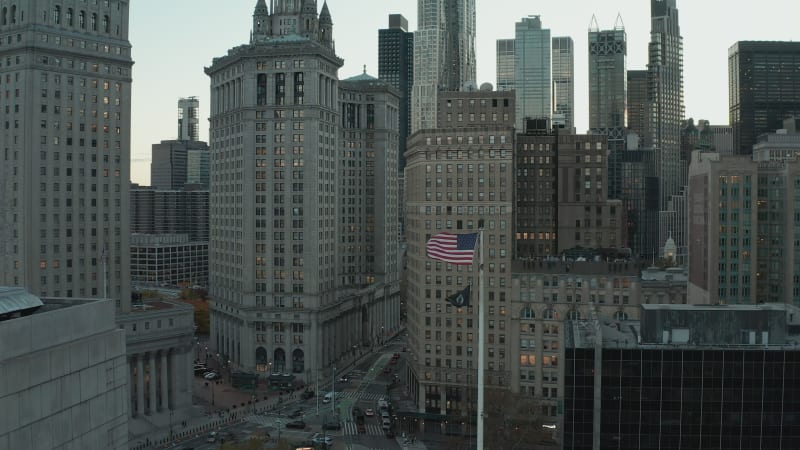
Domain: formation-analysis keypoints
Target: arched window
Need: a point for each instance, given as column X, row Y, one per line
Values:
column 13, row 14
column 69, row 17
column 94, row 22
column 5, row 16
column 106, row 25
column 57, row 15
column 550, row 314
column 573, row 314
column 621, row 315
column 82, row 19
column 527, row 313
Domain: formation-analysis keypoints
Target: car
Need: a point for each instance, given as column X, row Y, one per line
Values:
column 344, row 379
column 297, row 413
column 334, row 425
column 211, row 376
column 356, row 411
column 319, row 438
column 396, row 355
column 369, row 412
column 393, row 361
column 212, row 437
column 296, row 424
column 362, row 428
column 307, row 394
column 389, row 433
column 387, row 369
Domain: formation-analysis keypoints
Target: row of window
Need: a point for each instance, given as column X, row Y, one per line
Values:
column 71, row 18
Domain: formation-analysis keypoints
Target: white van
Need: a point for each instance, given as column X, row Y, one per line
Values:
column 329, row 397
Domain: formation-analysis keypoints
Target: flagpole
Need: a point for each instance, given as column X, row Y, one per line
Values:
column 481, row 343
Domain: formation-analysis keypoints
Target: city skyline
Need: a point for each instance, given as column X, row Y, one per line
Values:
column 164, row 76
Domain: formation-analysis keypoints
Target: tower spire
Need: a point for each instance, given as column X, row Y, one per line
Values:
column 619, row 24
column 593, row 27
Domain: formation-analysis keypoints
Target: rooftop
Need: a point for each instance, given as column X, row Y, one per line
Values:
column 16, row 301
column 700, row 327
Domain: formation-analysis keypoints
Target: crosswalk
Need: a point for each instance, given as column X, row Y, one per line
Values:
column 351, row 429
column 362, row 395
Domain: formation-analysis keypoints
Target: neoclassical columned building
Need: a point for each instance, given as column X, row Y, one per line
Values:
column 159, row 338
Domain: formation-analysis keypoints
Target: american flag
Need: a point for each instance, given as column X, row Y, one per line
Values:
column 451, row 248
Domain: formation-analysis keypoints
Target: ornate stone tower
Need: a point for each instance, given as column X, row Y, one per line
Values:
column 261, row 20
column 308, row 18
column 326, row 26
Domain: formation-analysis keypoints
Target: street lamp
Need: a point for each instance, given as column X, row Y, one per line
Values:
column 333, row 389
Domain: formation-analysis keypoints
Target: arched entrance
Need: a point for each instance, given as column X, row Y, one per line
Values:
column 298, row 363
column 279, row 361
column 262, row 359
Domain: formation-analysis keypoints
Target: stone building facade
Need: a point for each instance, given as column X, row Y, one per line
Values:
column 285, row 149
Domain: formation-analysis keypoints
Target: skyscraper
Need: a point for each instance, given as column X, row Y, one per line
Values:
column 532, row 70
column 188, row 120
column 561, row 196
column 563, row 56
column 464, row 185
column 64, row 179
column 741, row 252
column 665, row 98
column 444, row 55
column 303, row 272
column 173, row 164
column 637, row 103
column 505, row 65
column 608, row 95
column 764, row 89
column 396, row 67
column 176, row 163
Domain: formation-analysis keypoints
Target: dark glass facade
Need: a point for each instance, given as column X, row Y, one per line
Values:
column 764, row 89
column 689, row 398
column 396, row 67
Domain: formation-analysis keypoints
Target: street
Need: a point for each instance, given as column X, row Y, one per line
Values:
column 367, row 383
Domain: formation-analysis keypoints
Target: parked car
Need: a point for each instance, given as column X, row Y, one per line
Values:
column 307, row 394
column 297, row 425
column 296, row 414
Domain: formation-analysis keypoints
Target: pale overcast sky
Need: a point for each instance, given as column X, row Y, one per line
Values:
column 174, row 40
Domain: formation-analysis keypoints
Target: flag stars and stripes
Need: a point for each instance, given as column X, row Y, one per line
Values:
column 458, row 249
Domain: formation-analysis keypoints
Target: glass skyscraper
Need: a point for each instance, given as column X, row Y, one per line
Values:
column 532, row 70
column 505, row 65
column 665, row 98
column 764, row 89
column 444, row 55
column 564, row 81
column 396, row 67
column 608, row 96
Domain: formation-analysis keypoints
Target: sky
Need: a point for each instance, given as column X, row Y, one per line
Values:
column 174, row 40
